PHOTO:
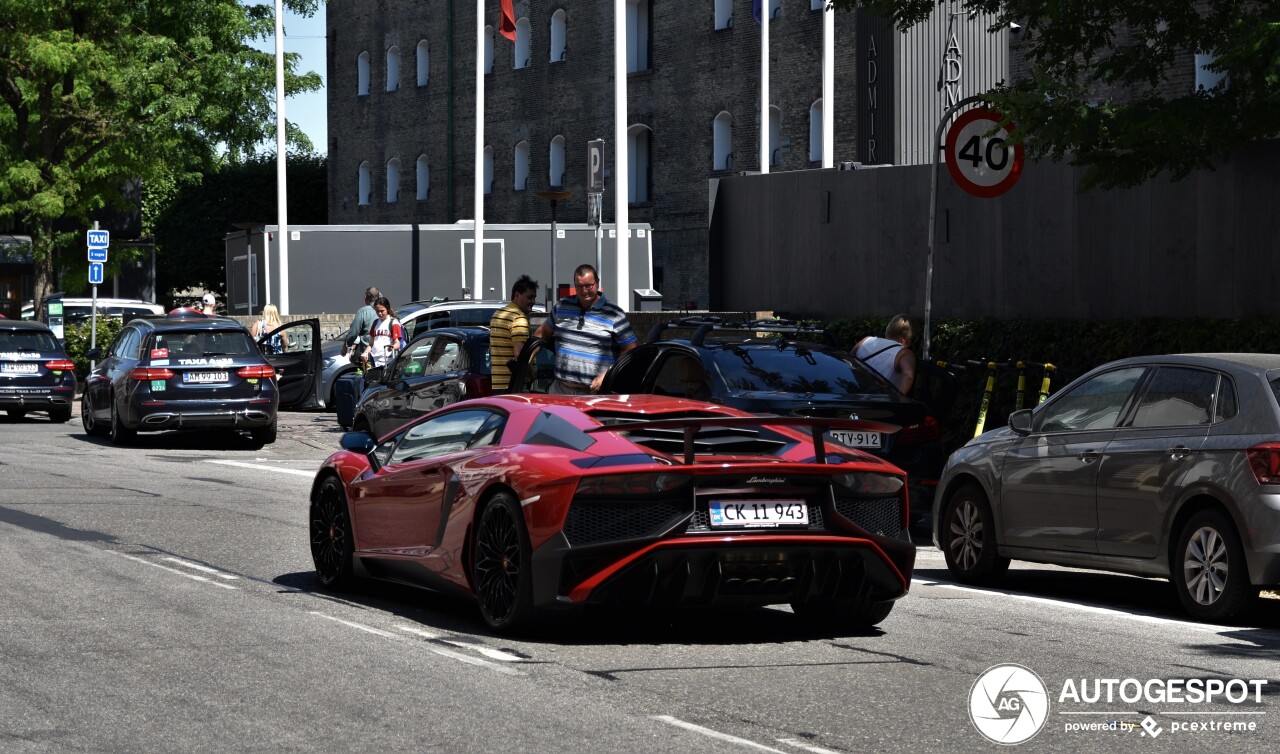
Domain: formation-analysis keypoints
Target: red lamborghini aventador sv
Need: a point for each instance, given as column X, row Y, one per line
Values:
column 534, row 503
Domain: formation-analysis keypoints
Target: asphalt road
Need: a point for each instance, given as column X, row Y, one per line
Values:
column 161, row 598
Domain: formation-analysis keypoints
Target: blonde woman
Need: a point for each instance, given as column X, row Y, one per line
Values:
column 270, row 321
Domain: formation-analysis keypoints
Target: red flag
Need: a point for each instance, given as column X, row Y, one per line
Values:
column 507, row 25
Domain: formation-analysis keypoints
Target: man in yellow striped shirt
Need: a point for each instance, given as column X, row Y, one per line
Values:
column 508, row 331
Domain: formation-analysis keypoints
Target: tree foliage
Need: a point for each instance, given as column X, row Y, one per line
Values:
column 190, row 221
column 1099, row 90
column 98, row 94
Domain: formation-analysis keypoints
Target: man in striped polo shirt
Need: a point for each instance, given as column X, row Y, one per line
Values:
column 589, row 332
column 508, row 330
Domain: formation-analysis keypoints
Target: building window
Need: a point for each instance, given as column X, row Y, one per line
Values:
column 424, row 179
column 521, row 166
column 556, row 174
column 524, row 42
column 638, row 139
column 488, row 50
column 722, row 142
column 393, row 69
column 362, row 74
column 366, row 187
column 393, row 180
column 815, row 131
column 488, row 170
column 638, row 24
column 817, row 4
column 775, row 135
column 424, row 63
column 559, row 36
column 724, row 14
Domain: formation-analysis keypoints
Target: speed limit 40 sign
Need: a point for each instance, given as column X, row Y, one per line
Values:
column 979, row 156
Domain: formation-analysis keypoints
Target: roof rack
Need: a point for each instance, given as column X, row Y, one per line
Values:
column 694, row 322
column 705, row 325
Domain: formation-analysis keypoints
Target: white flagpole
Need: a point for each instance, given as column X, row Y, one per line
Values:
column 621, row 179
column 828, row 86
column 478, row 286
column 282, row 205
column 764, row 86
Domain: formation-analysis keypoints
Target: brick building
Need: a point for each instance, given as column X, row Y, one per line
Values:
column 401, row 89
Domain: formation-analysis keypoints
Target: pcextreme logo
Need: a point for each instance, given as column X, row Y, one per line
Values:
column 1009, row 704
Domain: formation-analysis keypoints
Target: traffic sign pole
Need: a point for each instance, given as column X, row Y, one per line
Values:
column 97, row 241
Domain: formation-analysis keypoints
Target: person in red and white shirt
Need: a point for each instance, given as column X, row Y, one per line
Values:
column 385, row 335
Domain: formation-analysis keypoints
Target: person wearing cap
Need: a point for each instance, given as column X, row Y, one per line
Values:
column 210, row 305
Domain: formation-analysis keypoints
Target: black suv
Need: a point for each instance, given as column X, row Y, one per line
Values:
column 771, row 367
column 196, row 372
column 35, row 373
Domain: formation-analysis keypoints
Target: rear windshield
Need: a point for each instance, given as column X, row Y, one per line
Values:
column 204, row 343
column 795, row 370
column 27, row 340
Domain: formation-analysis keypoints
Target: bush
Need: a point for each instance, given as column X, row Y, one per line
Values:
column 78, row 336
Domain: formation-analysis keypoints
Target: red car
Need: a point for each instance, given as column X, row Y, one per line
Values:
column 533, row 503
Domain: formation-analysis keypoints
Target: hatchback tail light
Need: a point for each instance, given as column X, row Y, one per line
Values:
column 475, row 386
column 1264, row 460
column 919, row 434
column 60, row 365
column 146, row 374
column 263, row 371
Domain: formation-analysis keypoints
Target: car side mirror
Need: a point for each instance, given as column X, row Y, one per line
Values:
column 358, row 442
column 1020, row 421
column 94, row 353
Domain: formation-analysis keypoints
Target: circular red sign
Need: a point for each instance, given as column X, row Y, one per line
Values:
column 981, row 162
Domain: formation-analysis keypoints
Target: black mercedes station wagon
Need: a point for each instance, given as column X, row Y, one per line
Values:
column 193, row 372
column 35, row 373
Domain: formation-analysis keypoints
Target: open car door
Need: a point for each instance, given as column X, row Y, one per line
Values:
column 535, row 368
column 294, row 350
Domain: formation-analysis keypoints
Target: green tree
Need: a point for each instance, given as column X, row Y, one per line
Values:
column 99, row 94
column 1081, row 51
column 190, row 221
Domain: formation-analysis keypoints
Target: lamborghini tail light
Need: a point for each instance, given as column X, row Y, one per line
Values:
column 630, row 484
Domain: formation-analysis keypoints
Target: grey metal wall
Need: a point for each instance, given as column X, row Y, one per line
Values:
column 830, row 243
column 938, row 63
column 331, row 265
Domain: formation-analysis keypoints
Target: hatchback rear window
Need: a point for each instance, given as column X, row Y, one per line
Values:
column 205, row 343
column 795, row 370
column 27, row 340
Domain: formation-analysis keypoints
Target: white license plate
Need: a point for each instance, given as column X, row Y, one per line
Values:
column 20, row 368
column 857, row 439
column 204, row 377
column 761, row 513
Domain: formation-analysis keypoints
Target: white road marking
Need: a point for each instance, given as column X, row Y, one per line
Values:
column 205, row 569
column 458, row 655
column 1077, row 606
column 802, row 745
column 669, row 720
column 490, row 652
column 260, row 467
column 358, row 626
column 183, row 574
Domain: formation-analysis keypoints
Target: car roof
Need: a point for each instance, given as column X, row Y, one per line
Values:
column 462, row 303
column 1252, row 361
column 466, row 333
column 24, row 324
column 187, row 324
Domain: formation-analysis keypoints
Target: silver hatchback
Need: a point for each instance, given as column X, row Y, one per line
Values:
column 1156, row 465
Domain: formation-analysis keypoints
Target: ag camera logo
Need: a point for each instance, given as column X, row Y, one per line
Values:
column 1008, row 704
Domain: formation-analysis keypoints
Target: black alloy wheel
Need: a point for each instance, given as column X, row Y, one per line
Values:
column 92, row 427
column 120, row 434
column 969, row 538
column 504, row 583
column 332, row 540
column 1208, row 569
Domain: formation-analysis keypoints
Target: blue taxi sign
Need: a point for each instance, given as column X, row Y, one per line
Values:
column 98, row 239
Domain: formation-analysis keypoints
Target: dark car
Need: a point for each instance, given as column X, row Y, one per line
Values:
column 196, row 373
column 532, row 504
column 1164, row 466
column 438, row 367
column 764, row 368
column 35, row 372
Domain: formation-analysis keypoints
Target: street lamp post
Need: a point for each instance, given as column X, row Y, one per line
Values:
column 553, row 196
